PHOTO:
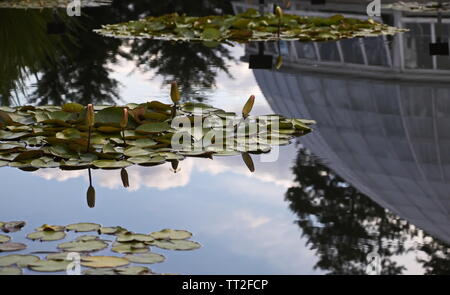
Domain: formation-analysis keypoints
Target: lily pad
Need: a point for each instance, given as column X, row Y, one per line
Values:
column 83, row 227
column 111, row 164
column 12, row 226
column 112, row 230
column 11, row 271
column 4, row 238
column 11, row 247
column 181, row 245
column 46, row 227
column 171, row 234
column 83, row 246
column 133, row 270
column 130, row 248
column 47, row 235
column 147, row 258
column 59, row 256
column 132, row 237
column 19, row 260
column 103, row 261
column 49, row 265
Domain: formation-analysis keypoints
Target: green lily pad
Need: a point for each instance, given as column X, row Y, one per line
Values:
column 111, row 164
column 103, row 261
column 11, row 271
column 83, row 227
column 112, row 230
column 11, row 247
column 4, row 238
column 181, row 245
column 47, row 235
column 19, row 260
column 46, row 227
column 132, row 237
column 147, row 258
column 62, row 256
column 130, row 248
column 150, row 128
column 133, row 271
column 171, row 234
column 49, row 265
column 83, row 246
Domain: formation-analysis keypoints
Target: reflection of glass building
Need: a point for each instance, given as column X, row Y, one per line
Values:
column 383, row 117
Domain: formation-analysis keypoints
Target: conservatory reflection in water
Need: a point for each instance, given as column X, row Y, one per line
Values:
column 382, row 109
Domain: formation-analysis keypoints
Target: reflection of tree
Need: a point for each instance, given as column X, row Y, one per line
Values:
column 193, row 66
column 337, row 221
column 81, row 72
column 25, row 46
column 437, row 260
column 76, row 68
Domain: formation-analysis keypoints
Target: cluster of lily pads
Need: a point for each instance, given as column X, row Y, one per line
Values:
column 247, row 26
column 134, row 248
column 74, row 137
column 39, row 4
column 419, row 6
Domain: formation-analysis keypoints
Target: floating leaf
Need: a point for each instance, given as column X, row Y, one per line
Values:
column 19, row 260
column 176, row 244
column 171, row 234
column 46, row 227
column 130, row 248
column 4, row 238
column 83, row 227
column 132, row 237
column 47, row 235
column 147, row 258
column 111, row 164
column 11, row 271
column 49, row 265
column 10, row 247
column 72, row 107
column 83, row 246
column 133, row 270
column 62, row 256
column 103, row 261
column 12, row 226
column 111, row 230
column 150, row 128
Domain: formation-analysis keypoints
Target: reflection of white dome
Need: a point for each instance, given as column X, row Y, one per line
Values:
column 379, row 125
column 389, row 140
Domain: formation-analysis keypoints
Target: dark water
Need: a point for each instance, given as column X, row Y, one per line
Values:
column 372, row 179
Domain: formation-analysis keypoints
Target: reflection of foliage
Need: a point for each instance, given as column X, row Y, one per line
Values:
column 193, row 66
column 81, row 73
column 338, row 220
column 135, row 245
column 77, row 67
column 25, row 48
column 39, row 4
column 437, row 260
column 247, row 26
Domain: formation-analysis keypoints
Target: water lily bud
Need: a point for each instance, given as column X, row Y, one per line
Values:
column 174, row 93
column 248, row 106
column 91, row 196
column 279, row 12
column 124, row 176
column 279, row 63
column 90, row 117
column 124, row 121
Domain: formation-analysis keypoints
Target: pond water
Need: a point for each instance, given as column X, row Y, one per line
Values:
column 372, row 179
